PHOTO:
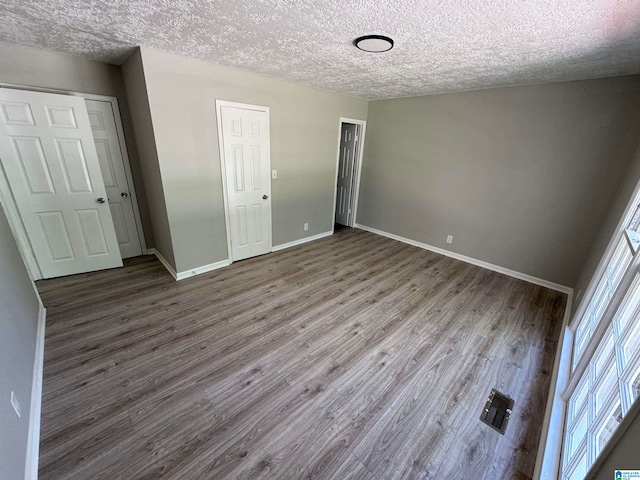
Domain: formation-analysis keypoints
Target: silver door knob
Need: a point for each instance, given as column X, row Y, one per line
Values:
column 100, row 200
column 264, row 197
column 124, row 194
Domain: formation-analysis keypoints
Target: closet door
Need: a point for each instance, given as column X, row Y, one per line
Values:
column 105, row 135
column 50, row 161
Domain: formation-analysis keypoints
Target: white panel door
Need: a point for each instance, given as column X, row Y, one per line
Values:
column 49, row 158
column 345, row 173
column 245, row 137
column 105, row 136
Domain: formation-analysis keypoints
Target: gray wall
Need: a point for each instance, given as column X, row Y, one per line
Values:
column 607, row 227
column 145, row 142
column 304, row 143
column 521, row 177
column 19, row 306
column 38, row 68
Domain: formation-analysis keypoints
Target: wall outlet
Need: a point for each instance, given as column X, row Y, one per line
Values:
column 449, row 238
column 306, row 227
column 274, row 173
column 15, row 404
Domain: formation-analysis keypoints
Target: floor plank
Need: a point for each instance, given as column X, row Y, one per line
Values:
column 353, row 356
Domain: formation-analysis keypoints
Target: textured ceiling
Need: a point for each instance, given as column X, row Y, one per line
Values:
column 440, row 45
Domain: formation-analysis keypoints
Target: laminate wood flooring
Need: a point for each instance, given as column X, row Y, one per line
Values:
column 351, row 357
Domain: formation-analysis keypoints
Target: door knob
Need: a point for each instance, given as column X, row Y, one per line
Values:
column 124, row 194
column 264, row 197
column 100, row 200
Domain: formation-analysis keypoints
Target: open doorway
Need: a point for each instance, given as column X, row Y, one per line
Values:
column 349, row 166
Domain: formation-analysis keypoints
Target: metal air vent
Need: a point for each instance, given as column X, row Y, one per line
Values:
column 497, row 411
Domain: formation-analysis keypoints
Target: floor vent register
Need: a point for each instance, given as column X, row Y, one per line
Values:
column 497, row 411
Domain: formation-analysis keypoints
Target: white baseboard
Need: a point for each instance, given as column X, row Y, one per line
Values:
column 203, row 269
column 33, row 439
column 227, row 262
column 301, row 241
column 473, row 261
column 188, row 273
column 163, row 261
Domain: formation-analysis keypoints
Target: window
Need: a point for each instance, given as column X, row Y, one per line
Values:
column 605, row 368
column 607, row 285
column 634, row 220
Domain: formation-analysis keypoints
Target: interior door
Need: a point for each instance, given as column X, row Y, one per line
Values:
column 245, row 138
column 105, row 136
column 50, row 161
column 348, row 140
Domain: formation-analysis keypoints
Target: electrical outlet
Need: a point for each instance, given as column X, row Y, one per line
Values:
column 15, row 404
column 449, row 238
column 274, row 173
column 306, row 227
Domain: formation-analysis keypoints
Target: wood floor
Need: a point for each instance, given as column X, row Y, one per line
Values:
column 352, row 357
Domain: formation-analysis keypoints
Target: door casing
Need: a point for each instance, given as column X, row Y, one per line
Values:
column 11, row 209
column 357, row 171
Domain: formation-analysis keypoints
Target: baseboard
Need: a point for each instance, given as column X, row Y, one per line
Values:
column 33, row 438
column 163, row 261
column 203, row 269
column 473, row 261
column 224, row 263
column 301, row 241
column 188, row 273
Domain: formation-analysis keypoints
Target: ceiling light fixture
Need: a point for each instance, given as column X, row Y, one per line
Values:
column 374, row 43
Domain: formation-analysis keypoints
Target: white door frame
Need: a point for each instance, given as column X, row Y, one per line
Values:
column 223, row 170
column 11, row 209
column 355, row 192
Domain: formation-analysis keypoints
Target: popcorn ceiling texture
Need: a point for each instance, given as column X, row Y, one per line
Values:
column 440, row 45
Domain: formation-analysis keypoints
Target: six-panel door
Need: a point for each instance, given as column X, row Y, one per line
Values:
column 245, row 137
column 49, row 158
column 345, row 173
column 105, row 136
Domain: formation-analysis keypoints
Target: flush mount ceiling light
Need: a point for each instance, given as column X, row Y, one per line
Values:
column 374, row 43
